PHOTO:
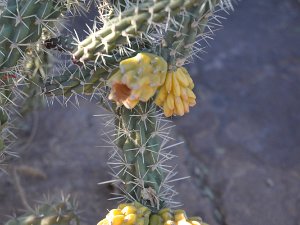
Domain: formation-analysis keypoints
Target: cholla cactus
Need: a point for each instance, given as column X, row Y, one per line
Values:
column 133, row 61
column 51, row 212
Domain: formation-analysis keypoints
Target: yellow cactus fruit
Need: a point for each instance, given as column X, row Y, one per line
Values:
column 137, row 79
column 127, row 214
column 175, row 96
column 180, row 215
column 167, row 216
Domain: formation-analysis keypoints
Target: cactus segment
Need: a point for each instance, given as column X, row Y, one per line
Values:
column 7, row 97
column 127, row 214
column 76, row 80
column 62, row 212
column 21, row 25
column 182, row 41
column 137, row 79
column 176, row 95
column 141, row 155
column 134, row 21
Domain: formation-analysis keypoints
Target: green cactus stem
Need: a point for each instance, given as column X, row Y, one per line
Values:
column 179, row 41
column 140, row 155
column 6, row 100
column 134, row 21
column 21, row 24
column 88, row 79
column 76, row 80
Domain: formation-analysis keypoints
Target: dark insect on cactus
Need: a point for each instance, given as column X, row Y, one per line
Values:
column 132, row 60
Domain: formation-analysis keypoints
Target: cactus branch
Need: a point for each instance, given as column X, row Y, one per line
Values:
column 140, row 156
column 134, row 21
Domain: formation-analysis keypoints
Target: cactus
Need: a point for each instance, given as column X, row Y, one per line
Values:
column 52, row 212
column 133, row 60
column 7, row 111
column 140, row 155
column 24, row 27
column 21, row 25
column 134, row 21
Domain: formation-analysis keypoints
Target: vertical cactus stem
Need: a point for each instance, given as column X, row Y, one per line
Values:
column 139, row 146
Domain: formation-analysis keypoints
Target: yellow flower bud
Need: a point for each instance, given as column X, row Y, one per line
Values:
column 175, row 96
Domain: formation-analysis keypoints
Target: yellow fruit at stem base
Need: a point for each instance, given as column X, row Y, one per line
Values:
column 167, row 216
column 127, row 214
column 175, row 96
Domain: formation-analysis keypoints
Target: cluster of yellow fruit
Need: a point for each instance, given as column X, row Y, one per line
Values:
column 138, row 79
column 127, row 214
column 167, row 216
column 136, row 214
column 176, row 95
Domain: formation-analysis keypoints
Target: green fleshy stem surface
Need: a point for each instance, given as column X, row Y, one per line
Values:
column 140, row 149
column 131, row 22
column 5, row 98
column 21, row 24
column 76, row 80
column 177, row 44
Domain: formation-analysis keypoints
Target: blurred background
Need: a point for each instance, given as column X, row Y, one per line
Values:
column 242, row 139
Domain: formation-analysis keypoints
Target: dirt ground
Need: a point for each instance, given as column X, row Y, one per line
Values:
column 241, row 140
